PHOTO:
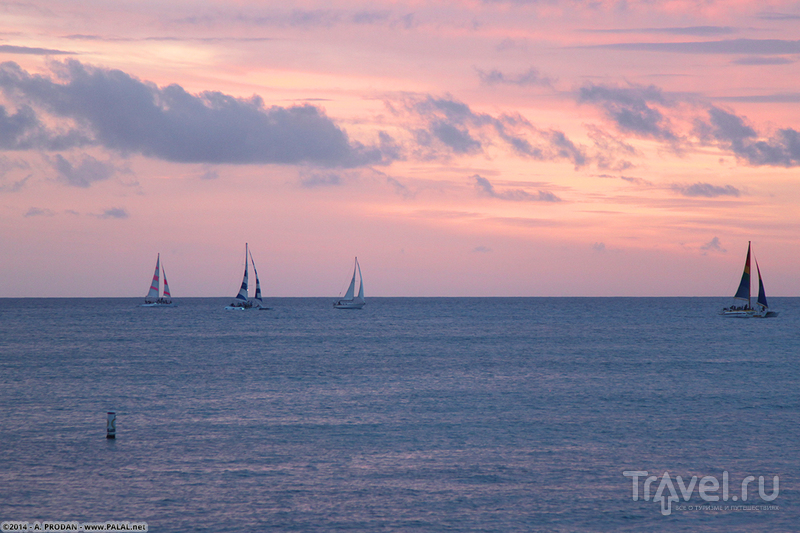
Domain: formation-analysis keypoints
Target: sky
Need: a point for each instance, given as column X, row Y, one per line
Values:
column 464, row 148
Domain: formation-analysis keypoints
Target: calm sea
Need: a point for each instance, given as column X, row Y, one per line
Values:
column 413, row 414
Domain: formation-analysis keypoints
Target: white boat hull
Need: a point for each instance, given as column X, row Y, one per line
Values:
column 158, row 304
column 348, row 304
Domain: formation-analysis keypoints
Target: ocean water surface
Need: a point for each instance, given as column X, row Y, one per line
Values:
column 413, row 414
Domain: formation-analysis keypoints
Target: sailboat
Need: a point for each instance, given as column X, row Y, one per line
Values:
column 242, row 302
column 743, row 293
column 155, row 298
column 349, row 301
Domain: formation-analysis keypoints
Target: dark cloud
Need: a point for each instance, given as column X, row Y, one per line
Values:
column 531, row 77
column 707, row 190
column 114, row 212
column 731, row 132
column 10, row 49
column 729, row 46
column 698, row 31
column 633, row 109
column 599, row 247
column 123, row 113
column 22, row 130
column 482, row 249
column 485, row 188
column 87, row 172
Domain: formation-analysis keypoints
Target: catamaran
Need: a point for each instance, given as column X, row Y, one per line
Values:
column 241, row 301
column 743, row 294
column 349, row 301
column 155, row 298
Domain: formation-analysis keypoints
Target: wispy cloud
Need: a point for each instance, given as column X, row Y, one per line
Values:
column 698, row 31
column 714, row 245
column 634, row 109
column 760, row 60
column 485, row 188
column 39, row 212
column 453, row 127
column 731, row 132
column 528, row 78
column 729, row 46
column 26, row 50
column 317, row 179
column 707, row 190
column 115, row 213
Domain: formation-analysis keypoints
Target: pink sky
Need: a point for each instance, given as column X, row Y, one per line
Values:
column 474, row 148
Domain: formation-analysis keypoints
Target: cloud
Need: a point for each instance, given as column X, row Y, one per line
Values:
column 731, row 132
column 632, row 109
column 759, row 60
column 599, row 247
column 700, row 31
column 730, row 46
column 10, row 49
column 87, row 172
column 707, row 190
column 452, row 127
column 22, row 130
column 531, row 77
column 316, row 179
column 485, row 188
column 125, row 114
column 114, row 212
column 482, row 249
column 779, row 98
column 777, row 16
column 39, row 212
column 713, row 246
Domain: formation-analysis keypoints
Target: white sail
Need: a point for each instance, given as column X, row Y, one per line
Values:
column 152, row 294
column 360, row 296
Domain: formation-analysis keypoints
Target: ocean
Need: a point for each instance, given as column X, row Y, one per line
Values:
column 410, row 415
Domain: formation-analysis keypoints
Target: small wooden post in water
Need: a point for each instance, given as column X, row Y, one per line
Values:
column 111, row 426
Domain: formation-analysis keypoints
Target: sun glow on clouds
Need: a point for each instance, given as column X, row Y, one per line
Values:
column 570, row 147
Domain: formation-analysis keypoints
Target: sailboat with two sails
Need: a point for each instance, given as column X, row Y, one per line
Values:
column 156, row 298
column 743, row 294
column 350, row 299
column 242, row 302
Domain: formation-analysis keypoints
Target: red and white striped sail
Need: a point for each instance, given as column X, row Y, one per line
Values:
column 152, row 294
column 167, row 295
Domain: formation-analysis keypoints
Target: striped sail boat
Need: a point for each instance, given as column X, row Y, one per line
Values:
column 242, row 302
column 155, row 297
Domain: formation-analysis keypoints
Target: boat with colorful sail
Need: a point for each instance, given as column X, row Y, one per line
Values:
column 155, row 297
column 350, row 299
column 743, row 295
column 242, row 302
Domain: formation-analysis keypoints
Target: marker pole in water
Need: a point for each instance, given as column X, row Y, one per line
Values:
column 111, row 425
